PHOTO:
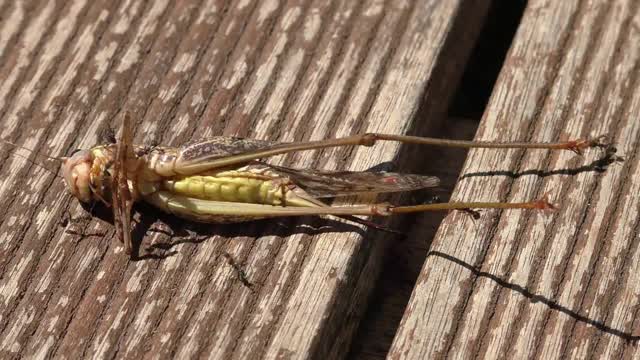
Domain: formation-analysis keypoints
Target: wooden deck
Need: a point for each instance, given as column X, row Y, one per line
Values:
column 531, row 285
column 540, row 284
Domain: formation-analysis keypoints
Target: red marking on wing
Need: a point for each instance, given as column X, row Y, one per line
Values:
column 390, row 180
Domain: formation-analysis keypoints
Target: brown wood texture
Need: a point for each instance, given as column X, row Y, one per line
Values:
column 280, row 70
column 519, row 284
column 403, row 261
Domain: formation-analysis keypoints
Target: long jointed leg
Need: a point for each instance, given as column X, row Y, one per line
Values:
column 189, row 207
column 370, row 139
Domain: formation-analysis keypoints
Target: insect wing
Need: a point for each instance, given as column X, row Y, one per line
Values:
column 322, row 184
column 202, row 155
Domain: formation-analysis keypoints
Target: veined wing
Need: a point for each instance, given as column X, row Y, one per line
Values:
column 323, row 184
column 202, row 155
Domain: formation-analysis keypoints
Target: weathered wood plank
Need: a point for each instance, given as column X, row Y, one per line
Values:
column 35, row 127
column 544, row 285
column 282, row 70
column 12, row 19
column 404, row 260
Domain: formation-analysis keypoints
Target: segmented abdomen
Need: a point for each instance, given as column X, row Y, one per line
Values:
column 239, row 188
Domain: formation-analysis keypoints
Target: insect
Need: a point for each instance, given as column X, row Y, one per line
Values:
column 223, row 180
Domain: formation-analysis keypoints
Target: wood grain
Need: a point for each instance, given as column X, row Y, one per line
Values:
column 282, row 70
column 544, row 285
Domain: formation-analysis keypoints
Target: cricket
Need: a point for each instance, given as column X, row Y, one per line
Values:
column 225, row 180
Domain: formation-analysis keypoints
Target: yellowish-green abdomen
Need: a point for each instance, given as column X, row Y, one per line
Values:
column 237, row 187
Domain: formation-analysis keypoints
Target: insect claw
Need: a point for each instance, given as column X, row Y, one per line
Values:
column 577, row 146
column 544, row 204
column 602, row 141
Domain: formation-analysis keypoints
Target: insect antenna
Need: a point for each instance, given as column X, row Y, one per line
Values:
column 60, row 160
